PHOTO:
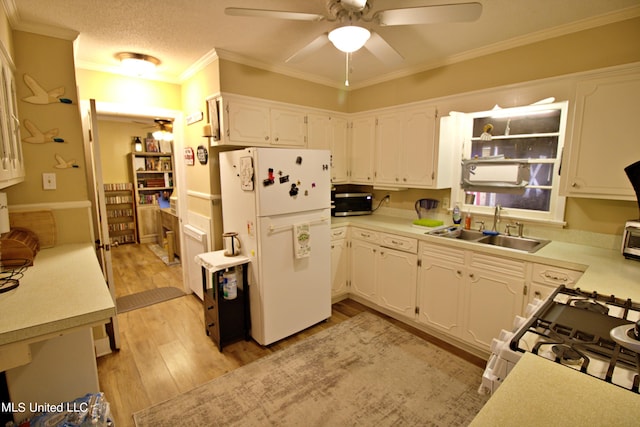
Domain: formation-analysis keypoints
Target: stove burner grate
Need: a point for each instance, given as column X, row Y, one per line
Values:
column 589, row 305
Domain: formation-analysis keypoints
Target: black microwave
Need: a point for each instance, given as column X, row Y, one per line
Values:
column 348, row 204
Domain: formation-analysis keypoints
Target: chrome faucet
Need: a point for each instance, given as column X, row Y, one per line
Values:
column 496, row 218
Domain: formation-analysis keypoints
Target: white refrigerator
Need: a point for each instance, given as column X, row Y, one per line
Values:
column 278, row 201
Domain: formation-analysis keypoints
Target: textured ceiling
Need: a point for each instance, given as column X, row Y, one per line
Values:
column 182, row 33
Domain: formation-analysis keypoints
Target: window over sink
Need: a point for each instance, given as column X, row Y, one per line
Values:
column 530, row 137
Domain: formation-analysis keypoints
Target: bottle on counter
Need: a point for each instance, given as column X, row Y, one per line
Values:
column 457, row 218
column 467, row 221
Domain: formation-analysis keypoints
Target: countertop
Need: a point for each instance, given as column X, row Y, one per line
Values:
column 63, row 290
column 605, row 271
column 540, row 392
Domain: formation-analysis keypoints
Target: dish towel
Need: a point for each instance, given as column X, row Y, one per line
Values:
column 301, row 240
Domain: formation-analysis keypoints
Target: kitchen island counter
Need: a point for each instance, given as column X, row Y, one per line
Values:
column 539, row 392
column 605, row 270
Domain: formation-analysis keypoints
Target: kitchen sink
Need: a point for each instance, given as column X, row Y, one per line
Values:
column 525, row 244
column 512, row 242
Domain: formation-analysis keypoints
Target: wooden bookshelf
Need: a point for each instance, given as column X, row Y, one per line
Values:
column 152, row 174
column 121, row 213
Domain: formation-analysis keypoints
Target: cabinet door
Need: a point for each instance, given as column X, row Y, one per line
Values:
column 319, row 132
column 363, row 269
column 440, row 288
column 389, row 148
column 339, row 149
column 288, row 127
column 418, row 161
column 148, row 223
column 397, row 278
column 494, row 289
column 339, row 265
column 604, row 137
column 248, row 123
column 363, row 134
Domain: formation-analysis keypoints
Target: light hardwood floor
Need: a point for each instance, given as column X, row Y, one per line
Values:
column 164, row 350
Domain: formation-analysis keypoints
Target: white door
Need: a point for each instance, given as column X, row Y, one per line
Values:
column 100, row 225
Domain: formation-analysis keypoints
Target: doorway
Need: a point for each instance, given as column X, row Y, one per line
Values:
column 143, row 258
column 134, row 121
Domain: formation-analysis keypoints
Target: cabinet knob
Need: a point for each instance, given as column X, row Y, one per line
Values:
column 471, row 275
column 266, row 138
column 574, row 184
column 277, row 139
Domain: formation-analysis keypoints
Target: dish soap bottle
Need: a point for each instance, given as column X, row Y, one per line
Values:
column 467, row 221
column 457, row 218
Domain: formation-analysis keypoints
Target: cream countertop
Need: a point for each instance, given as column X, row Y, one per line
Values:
column 605, row 271
column 63, row 290
column 540, row 392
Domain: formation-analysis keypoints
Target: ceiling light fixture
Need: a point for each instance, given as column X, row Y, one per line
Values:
column 137, row 64
column 349, row 38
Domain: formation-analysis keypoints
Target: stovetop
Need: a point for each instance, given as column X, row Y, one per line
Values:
column 573, row 328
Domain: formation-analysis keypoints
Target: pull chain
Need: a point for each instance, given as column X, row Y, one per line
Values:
column 346, row 71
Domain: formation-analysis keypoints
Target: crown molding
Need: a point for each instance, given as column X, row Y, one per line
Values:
column 562, row 30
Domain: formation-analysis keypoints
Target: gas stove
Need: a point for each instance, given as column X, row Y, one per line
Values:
column 572, row 328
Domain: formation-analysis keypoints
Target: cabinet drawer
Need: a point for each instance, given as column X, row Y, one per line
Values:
column 338, row 233
column 506, row 266
column 401, row 243
column 555, row 276
column 442, row 253
column 362, row 234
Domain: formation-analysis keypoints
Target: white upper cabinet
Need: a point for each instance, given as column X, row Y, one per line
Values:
column 363, row 136
column 329, row 132
column 406, row 149
column 254, row 122
column 604, row 136
column 11, row 158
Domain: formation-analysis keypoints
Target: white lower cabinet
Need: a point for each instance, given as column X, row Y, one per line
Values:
column 364, row 251
column 440, row 288
column 494, row 291
column 469, row 295
column 397, row 272
column 545, row 279
column 384, row 270
column 339, row 262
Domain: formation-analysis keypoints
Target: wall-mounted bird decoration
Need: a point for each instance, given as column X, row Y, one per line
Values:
column 42, row 96
column 39, row 137
column 64, row 164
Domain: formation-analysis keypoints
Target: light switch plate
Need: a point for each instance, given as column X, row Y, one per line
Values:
column 49, row 181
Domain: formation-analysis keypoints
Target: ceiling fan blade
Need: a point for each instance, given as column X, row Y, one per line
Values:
column 309, row 49
column 463, row 12
column 278, row 14
column 383, row 50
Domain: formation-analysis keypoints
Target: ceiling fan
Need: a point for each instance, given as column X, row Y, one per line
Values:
column 354, row 22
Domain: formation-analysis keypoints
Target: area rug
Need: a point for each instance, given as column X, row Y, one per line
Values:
column 147, row 298
column 162, row 254
column 363, row 371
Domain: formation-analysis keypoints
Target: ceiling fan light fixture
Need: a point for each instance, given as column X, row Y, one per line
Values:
column 137, row 64
column 349, row 38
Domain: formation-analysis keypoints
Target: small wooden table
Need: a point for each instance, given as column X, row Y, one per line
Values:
column 225, row 320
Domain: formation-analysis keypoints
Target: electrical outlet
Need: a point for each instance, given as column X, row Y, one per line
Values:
column 49, row 181
column 387, row 199
column 445, row 203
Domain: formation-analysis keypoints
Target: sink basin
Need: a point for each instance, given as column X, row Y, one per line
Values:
column 457, row 233
column 512, row 242
column 525, row 244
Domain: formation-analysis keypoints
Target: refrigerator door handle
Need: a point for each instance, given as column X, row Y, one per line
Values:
column 274, row 229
